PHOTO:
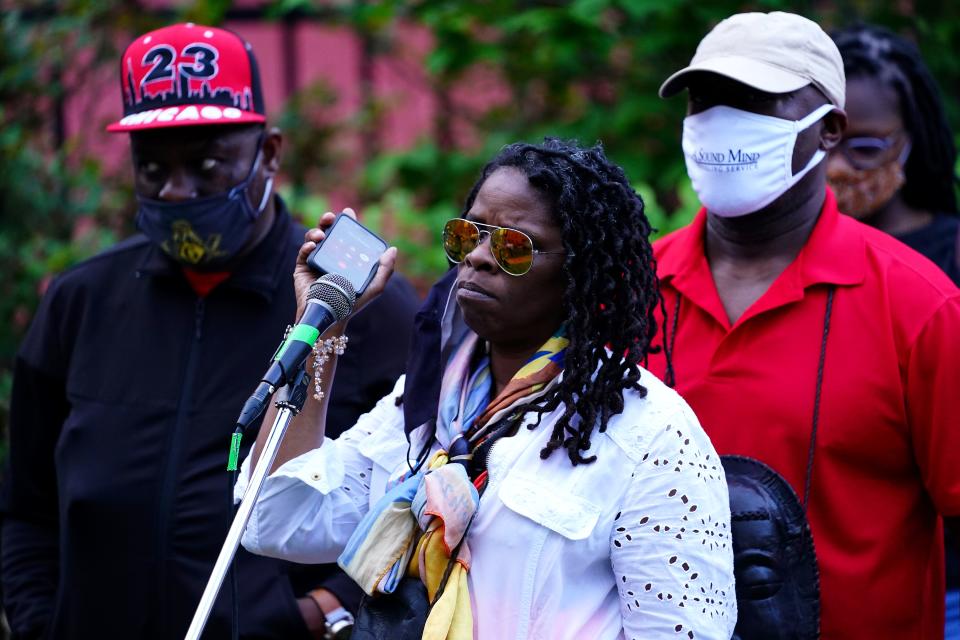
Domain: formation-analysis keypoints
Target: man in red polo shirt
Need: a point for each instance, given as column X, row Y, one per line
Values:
column 807, row 340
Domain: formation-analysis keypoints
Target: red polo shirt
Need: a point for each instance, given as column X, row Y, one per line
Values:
column 887, row 458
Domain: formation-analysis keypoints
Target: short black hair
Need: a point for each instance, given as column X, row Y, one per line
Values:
column 874, row 52
column 611, row 291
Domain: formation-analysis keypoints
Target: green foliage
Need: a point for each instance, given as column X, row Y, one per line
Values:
column 587, row 70
column 310, row 156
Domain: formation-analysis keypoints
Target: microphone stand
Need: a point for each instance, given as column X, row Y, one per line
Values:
column 290, row 402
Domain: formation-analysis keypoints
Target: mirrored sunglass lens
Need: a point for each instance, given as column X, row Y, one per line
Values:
column 513, row 251
column 459, row 239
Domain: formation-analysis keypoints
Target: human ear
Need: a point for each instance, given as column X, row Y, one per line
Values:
column 272, row 146
column 832, row 127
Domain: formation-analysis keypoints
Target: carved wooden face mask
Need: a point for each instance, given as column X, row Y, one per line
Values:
column 775, row 565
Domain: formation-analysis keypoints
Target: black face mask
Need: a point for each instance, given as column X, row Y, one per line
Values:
column 775, row 565
column 205, row 232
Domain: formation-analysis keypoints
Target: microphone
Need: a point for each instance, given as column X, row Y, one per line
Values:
column 330, row 299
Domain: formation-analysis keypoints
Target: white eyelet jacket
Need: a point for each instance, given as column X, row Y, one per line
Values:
column 635, row 545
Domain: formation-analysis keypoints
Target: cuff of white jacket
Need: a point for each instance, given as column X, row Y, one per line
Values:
column 310, row 475
column 321, row 469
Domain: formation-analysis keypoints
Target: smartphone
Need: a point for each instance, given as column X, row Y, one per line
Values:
column 351, row 250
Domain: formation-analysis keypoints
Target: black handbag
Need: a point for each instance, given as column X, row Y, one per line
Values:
column 400, row 615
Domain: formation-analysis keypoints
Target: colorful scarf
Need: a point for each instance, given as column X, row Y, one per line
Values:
column 415, row 527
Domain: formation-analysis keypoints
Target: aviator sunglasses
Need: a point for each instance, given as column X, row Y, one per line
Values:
column 513, row 250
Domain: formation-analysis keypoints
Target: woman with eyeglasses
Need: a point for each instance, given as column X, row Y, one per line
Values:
column 553, row 488
column 895, row 169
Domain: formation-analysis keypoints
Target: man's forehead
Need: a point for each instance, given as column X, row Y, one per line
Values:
column 719, row 89
column 192, row 139
column 701, row 81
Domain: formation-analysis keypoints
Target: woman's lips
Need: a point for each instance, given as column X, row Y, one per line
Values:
column 473, row 291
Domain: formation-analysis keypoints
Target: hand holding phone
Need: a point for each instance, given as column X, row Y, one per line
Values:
column 349, row 249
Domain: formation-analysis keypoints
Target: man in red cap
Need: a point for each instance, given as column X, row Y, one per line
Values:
column 809, row 341
column 128, row 384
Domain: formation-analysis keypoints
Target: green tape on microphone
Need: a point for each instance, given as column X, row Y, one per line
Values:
column 300, row 333
column 234, row 451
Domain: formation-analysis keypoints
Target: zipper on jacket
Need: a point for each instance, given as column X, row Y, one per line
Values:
column 171, row 470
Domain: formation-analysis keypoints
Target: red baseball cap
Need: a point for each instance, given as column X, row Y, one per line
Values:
column 189, row 74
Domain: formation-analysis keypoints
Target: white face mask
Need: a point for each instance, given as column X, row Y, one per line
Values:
column 739, row 162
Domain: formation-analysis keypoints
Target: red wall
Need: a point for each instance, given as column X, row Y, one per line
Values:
column 331, row 54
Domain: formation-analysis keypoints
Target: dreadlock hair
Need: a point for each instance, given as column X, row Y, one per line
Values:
column 611, row 290
column 874, row 52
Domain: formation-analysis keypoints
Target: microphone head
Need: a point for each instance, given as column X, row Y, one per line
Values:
column 336, row 291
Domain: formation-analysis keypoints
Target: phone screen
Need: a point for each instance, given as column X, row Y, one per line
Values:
column 351, row 250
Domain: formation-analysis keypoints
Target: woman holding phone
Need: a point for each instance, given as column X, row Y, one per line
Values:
column 559, row 490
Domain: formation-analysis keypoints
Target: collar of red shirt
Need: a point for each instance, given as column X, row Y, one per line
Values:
column 833, row 254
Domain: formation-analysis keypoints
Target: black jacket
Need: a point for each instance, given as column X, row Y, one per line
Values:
column 939, row 241
column 126, row 390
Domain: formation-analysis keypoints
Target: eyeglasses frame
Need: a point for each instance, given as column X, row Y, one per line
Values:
column 887, row 143
column 481, row 230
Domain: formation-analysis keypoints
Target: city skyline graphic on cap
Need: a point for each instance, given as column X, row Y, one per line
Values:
column 180, row 92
